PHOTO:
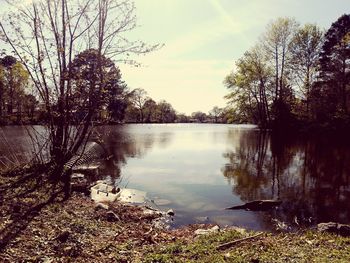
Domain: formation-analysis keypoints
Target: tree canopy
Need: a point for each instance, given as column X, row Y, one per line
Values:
column 295, row 76
column 63, row 45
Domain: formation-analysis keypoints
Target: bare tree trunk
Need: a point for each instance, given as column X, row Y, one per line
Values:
column 46, row 36
column 277, row 73
column 281, row 76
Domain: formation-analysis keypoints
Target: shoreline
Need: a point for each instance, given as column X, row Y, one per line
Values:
column 78, row 230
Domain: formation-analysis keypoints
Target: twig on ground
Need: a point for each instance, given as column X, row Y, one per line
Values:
column 234, row 242
column 149, row 232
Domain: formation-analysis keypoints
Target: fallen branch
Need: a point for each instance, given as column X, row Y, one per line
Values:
column 234, row 242
column 119, row 226
column 149, row 232
column 258, row 205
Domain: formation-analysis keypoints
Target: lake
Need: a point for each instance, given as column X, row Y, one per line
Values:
column 200, row 169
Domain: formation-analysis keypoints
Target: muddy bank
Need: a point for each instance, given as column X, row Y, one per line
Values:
column 81, row 230
column 36, row 228
column 78, row 230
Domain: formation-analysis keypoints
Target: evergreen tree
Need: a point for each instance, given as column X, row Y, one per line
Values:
column 331, row 92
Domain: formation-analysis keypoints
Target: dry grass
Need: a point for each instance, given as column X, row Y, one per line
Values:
column 75, row 231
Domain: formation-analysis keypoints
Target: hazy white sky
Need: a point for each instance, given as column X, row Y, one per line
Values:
column 203, row 38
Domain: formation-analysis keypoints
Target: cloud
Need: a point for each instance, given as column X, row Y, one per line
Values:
column 189, row 85
column 225, row 16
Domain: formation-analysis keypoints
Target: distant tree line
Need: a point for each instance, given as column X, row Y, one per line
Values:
column 16, row 104
column 296, row 76
column 143, row 109
column 118, row 104
column 140, row 108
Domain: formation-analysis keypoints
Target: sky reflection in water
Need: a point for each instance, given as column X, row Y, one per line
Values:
column 204, row 168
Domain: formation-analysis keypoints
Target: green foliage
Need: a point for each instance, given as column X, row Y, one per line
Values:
column 150, row 111
column 216, row 114
column 118, row 102
column 165, row 113
column 249, row 87
column 14, row 80
column 142, row 108
column 304, row 247
column 296, row 75
column 276, row 42
column 138, row 98
column 182, row 118
column 96, row 82
column 305, row 50
column 199, row 116
column 332, row 90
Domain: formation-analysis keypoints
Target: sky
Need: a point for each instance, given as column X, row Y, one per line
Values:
column 203, row 39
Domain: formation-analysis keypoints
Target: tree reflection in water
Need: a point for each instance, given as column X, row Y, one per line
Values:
column 310, row 176
column 126, row 141
column 183, row 163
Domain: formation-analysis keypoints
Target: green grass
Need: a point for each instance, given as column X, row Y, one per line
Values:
column 133, row 239
column 306, row 247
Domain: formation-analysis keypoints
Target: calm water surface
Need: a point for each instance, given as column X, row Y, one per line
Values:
column 203, row 168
